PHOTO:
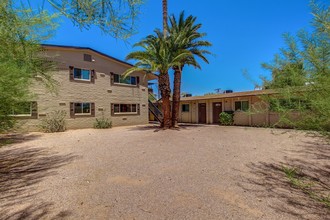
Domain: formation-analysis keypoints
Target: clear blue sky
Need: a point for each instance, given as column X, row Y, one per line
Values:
column 244, row 34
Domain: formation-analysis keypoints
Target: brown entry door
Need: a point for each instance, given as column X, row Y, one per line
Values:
column 217, row 109
column 202, row 113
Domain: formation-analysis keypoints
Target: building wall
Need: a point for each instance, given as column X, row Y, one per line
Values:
column 258, row 116
column 102, row 92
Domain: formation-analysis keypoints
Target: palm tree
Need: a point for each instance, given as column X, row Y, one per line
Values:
column 184, row 35
column 164, row 17
column 157, row 56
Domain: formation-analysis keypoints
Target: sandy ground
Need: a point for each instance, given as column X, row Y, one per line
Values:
column 139, row 172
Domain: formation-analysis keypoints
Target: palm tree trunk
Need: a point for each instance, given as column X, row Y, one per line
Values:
column 165, row 17
column 176, row 95
column 165, row 91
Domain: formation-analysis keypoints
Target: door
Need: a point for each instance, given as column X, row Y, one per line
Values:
column 202, row 113
column 217, row 109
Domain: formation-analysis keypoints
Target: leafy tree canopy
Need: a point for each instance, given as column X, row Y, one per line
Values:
column 301, row 74
column 20, row 57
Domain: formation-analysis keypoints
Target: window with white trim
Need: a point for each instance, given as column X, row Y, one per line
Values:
column 125, row 108
column 83, row 108
column 129, row 80
column 22, row 109
column 81, row 74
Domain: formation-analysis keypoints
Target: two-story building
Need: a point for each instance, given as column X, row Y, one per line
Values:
column 90, row 86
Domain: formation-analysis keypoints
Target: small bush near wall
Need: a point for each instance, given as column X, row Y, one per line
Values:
column 54, row 122
column 102, row 123
column 226, row 118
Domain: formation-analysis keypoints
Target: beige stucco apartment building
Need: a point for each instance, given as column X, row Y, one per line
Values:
column 249, row 108
column 90, row 86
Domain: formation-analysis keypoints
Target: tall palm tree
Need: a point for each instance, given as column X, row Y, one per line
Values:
column 158, row 57
column 184, row 35
column 164, row 17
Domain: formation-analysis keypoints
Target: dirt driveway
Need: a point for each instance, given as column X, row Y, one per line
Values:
column 198, row 172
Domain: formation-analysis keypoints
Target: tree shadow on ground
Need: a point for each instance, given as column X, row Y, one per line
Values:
column 15, row 138
column 268, row 180
column 157, row 128
column 21, row 169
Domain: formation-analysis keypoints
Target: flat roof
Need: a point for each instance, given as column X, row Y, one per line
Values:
column 229, row 95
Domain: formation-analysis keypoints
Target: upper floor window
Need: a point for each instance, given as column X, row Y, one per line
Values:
column 81, row 74
column 242, row 106
column 129, row 80
column 185, row 107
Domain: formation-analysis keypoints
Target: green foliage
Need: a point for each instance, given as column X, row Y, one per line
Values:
column 113, row 17
column 102, row 123
column 301, row 75
column 21, row 31
column 54, row 122
column 226, row 118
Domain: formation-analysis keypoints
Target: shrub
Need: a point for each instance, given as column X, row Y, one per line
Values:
column 102, row 123
column 226, row 118
column 54, row 122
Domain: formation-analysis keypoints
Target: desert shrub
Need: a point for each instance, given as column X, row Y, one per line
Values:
column 54, row 122
column 226, row 118
column 102, row 123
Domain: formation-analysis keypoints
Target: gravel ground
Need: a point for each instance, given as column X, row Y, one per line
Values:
column 139, row 172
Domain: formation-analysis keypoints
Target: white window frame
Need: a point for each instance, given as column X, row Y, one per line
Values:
column 86, row 80
column 126, row 84
column 125, row 113
column 23, row 115
column 90, row 108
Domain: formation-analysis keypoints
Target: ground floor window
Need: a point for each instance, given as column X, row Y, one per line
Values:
column 22, row 109
column 185, row 107
column 25, row 110
column 241, row 105
column 82, row 109
column 125, row 109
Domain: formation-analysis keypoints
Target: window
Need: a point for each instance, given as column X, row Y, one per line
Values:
column 241, row 106
column 88, row 57
column 82, row 108
column 129, row 80
column 23, row 109
column 185, row 107
column 125, row 108
column 81, row 74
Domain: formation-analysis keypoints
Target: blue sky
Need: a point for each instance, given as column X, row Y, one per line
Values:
column 244, row 34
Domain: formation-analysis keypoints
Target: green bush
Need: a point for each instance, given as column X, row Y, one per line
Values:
column 226, row 118
column 102, row 123
column 54, row 122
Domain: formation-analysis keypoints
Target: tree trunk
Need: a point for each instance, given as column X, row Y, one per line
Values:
column 165, row 17
column 176, row 96
column 165, row 91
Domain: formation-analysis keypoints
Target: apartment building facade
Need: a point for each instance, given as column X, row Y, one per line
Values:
column 90, row 86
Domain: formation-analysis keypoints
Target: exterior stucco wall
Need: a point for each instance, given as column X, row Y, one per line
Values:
column 102, row 93
column 258, row 116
